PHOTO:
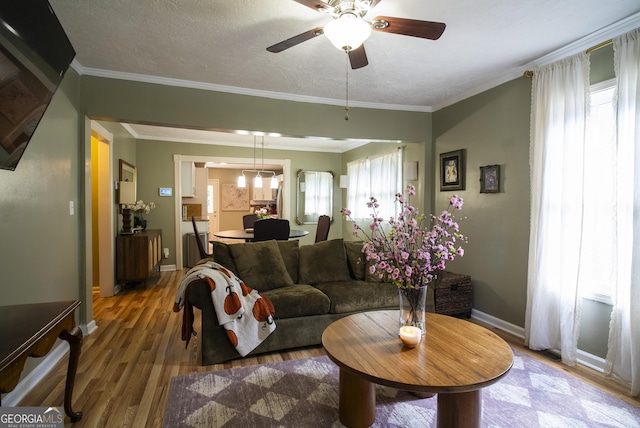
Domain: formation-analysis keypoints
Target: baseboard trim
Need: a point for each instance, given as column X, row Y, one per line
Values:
column 498, row 323
column 167, row 268
column 31, row 380
column 584, row 358
column 89, row 328
column 592, row 361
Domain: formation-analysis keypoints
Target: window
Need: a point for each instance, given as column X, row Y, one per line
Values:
column 379, row 176
column 318, row 193
column 598, row 266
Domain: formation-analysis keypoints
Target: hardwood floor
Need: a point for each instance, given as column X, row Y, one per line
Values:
column 126, row 366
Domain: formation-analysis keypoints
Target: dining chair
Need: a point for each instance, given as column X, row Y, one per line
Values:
column 248, row 220
column 271, row 228
column 322, row 231
column 203, row 252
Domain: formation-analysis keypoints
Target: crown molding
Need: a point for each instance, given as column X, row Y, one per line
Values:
column 621, row 27
column 109, row 74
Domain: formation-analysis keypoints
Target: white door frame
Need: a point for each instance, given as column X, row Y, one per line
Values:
column 215, row 222
column 177, row 171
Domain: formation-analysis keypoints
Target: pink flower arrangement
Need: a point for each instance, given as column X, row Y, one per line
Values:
column 410, row 255
column 263, row 213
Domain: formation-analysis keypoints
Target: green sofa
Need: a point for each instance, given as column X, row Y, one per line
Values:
column 310, row 287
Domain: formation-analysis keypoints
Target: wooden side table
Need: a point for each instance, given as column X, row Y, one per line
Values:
column 30, row 331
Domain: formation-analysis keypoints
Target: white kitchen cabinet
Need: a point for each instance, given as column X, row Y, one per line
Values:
column 264, row 193
column 188, row 179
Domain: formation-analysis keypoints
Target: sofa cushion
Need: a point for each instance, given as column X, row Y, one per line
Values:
column 222, row 255
column 298, row 300
column 353, row 296
column 355, row 259
column 289, row 253
column 260, row 265
column 324, row 261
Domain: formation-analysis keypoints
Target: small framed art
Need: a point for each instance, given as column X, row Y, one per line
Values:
column 452, row 170
column 490, row 179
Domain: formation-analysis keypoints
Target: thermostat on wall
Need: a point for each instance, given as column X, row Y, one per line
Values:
column 165, row 191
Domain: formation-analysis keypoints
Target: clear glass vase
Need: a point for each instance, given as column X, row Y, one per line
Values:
column 412, row 307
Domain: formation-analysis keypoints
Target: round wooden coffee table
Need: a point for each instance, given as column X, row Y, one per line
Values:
column 455, row 359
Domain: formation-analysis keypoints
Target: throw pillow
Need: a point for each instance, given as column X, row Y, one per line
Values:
column 324, row 261
column 355, row 258
column 222, row 255
column 260, row 265
column 289, row 253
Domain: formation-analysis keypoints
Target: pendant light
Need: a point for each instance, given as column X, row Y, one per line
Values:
column 257, row 181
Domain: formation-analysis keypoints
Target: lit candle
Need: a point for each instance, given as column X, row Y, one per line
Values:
column 410, row 335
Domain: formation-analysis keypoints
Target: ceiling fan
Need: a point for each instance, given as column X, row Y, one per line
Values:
column 349, row 29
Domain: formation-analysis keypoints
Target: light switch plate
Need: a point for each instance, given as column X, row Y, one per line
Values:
column 165, row 191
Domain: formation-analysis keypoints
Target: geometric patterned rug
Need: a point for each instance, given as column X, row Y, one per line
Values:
column 304, row 393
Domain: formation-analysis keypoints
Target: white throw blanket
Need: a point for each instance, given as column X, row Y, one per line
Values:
column 246, row 316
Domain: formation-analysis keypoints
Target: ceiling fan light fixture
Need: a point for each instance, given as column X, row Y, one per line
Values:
column 347, row 32
column 379, row 24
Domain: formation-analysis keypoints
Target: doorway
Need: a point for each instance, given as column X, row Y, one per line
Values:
column 102, row 259
column 230, row 163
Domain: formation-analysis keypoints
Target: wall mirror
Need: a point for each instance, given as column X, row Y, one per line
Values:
column 314, row 196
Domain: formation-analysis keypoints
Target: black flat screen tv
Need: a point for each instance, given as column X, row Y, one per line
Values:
column 34, row 55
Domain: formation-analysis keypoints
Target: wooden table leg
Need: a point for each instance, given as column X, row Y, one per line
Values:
column 460, row 410
column 357, row 406
column 74, row 338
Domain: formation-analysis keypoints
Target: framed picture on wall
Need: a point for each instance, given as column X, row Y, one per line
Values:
column 490, row 179
column 128, row 172
column 234, row 198
column 452, row 170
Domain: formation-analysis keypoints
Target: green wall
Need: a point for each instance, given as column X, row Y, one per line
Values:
column 493, row 128
column 42, row 257
column 120, row 100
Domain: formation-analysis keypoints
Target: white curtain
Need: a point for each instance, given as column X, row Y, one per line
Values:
column 358, row 191
column 558, row 121
column 317, row 196
column 385, row 181
column 623, row 358
column 378, row 176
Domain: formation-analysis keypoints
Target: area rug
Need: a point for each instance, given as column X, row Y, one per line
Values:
column 304, row 393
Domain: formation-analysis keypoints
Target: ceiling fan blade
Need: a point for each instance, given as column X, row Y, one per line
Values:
column 358, row 58
column 317, row 5
column 408, row 27
column 296, row 40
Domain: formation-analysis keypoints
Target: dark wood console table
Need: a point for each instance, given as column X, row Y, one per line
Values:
column 138, row 256
column 30, row 331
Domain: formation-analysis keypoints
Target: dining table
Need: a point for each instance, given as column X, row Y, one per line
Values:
column 247, row 234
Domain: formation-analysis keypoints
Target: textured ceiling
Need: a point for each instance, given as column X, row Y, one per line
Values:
column 223, row 43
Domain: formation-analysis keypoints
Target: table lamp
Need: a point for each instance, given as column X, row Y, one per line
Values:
column 126, row 197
